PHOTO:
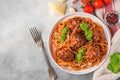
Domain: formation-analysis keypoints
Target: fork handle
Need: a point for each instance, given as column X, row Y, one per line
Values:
column 52, row 72
column 45, row 55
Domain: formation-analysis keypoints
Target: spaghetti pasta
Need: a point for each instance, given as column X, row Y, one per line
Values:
column 75, row 39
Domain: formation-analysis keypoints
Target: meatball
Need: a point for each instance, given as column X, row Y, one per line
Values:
column 65, row 54
column 76, row 41
column 92, row 53
column 73, row 24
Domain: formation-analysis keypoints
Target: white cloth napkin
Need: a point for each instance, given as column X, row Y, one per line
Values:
column 103, row 73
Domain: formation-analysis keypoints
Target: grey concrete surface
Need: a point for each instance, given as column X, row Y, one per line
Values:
column 20, row 59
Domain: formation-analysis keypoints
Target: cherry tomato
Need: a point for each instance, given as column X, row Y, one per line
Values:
column 107, row 1
column 88, row 8
column 85, row 1
column 98, row 3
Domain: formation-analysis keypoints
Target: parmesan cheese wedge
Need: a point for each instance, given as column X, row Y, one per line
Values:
column 57, row 8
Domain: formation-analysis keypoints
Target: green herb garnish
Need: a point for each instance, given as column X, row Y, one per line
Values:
column 62, row 38
column 64, row 33
column 84, row 26
column 79, row 55
column 89, row 35
column 88, row 32
column 82, row 51
column 114, row 64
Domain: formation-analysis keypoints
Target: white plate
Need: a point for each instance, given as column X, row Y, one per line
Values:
column 106, row 32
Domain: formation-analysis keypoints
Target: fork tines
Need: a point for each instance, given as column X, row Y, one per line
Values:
column 36, row 35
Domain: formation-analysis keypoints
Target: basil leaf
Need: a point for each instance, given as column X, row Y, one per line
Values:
column 64, row 33
column 84, row 26
column 114, row 59
column 109, row 66
column 114, row 64
column 82, row 51
column 62, row 38
column 86, row 33
column 113, row 67
column 89, row 35
column 117, row 55
column 79, row 57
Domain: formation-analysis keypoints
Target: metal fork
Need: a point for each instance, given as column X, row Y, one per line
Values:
column 38, row 40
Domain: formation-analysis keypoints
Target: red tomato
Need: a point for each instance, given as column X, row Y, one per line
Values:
column 88, row 8
column 107, row 1
column 85, row 1
column 98, row 3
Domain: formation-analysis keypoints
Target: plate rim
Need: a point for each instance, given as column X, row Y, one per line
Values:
column 80, row 72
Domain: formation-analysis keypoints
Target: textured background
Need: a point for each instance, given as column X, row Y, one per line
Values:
column 20, row 59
